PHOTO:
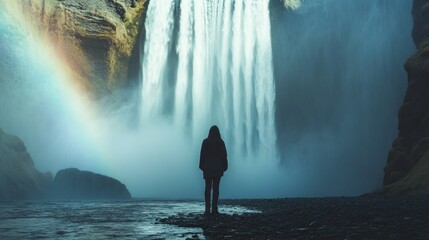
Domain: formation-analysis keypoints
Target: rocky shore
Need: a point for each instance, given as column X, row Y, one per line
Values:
column 317, row 218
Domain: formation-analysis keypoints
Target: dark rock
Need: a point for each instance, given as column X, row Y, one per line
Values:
column 72, row 183
column 19, row 178
column 413, row 116
column 119, row 7
column 360, row 218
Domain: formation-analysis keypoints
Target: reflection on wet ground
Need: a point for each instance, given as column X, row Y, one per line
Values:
column 100, row 219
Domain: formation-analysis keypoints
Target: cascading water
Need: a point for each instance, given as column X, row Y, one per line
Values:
column 223, row 74
column 339, row 83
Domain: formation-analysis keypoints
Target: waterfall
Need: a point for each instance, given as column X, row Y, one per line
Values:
column 210, row 62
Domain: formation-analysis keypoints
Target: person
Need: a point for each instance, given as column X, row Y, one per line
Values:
column 213, row 163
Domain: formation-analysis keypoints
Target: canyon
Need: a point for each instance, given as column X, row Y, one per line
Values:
column 101, row 42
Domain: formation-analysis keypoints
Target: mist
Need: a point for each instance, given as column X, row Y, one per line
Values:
column 339, row 83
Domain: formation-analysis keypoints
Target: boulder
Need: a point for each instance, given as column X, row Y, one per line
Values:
column 19, row 178
column 72, row 183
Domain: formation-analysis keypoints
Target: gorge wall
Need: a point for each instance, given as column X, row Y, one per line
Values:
column 96, row 38
column 19, row 178
column 407, row 163
column 99, row 40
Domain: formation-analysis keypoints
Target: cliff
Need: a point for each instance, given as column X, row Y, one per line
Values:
column 74, row 184
column 416, row 182
column 19, row 178
column 408, row 158
column 96, row 38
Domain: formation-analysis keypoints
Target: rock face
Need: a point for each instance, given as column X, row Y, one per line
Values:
column 415, row 183
column 96, row 38
column 74, row 184
column 413, row 139
column 19, row 178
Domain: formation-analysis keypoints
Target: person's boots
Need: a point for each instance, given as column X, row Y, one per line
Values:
column 207, row 211
column 214, row 208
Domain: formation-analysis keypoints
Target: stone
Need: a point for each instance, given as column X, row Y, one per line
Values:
column 19, row 178
column 72, row 183
column 415, row 182
column 361, row 218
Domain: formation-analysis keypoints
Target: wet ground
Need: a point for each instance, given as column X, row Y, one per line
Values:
column 136, row 219
column 311, row 218
column 317, row 218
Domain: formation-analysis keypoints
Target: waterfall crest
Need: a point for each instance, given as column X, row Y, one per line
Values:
column 210, row 62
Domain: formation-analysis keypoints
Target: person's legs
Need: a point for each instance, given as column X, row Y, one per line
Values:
column 207, row 194
column 216, row 182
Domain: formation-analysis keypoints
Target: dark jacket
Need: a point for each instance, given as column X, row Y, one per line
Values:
column 213, row 157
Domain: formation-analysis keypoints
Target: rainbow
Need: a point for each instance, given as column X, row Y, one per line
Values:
column 74, row 95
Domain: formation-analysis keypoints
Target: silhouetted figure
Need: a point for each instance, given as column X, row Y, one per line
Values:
column 213, row 163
